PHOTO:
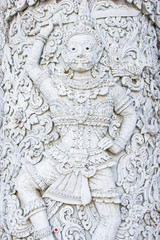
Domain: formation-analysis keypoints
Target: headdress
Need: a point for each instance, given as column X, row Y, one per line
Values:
column 83, row 25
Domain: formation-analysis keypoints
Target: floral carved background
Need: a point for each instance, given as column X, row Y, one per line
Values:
column 132, row 39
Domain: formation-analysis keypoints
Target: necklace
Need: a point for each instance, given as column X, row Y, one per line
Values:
column 81, row 90
column 82, row 84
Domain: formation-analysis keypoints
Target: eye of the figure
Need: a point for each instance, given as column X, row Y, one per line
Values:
column 73, row 49
column 87, row 48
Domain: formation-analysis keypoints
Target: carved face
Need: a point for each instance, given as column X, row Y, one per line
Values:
column 80, row 53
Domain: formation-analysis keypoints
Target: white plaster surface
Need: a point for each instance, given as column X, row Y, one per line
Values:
column 79, row 118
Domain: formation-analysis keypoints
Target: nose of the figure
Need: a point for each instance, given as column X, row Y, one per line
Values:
column 80, row 52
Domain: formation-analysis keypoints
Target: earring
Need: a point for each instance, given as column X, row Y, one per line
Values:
column 66, row 69
column 71, row 73
column 94, row 70
column 96, row 67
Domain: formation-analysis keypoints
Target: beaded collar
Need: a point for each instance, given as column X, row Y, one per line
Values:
column 82, row 84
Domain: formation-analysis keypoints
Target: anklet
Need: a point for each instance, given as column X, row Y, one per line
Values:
column 44, row 232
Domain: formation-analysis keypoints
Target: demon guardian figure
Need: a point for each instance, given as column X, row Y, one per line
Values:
column 76, row 168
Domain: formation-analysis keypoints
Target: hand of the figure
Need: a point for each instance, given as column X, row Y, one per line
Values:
column 46, row 31
column 56, row 18
column 105, row 143
column 115, row 149
column 108, row 144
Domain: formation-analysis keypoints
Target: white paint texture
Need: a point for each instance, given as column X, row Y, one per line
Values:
column 80, row 140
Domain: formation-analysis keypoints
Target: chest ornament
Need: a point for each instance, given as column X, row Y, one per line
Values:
column 82, row 90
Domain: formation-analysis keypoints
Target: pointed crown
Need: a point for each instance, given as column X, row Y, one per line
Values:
column 83, row 25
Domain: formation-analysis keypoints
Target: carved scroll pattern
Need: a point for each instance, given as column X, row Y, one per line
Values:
column 148, row 7
column 131, row 60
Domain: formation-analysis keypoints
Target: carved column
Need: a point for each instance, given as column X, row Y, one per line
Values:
column 88, row 120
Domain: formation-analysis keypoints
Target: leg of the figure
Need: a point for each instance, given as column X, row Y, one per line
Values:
column 109, row 221
column 33, row 206
column 106, row 201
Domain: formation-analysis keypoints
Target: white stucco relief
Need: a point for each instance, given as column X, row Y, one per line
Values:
column 80, row 134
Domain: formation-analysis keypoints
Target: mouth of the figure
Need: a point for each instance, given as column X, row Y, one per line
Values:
column 80, row 64
column 81, row 61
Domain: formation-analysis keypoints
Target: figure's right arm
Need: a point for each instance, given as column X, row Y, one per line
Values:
column 32, row 66
column 35, row 72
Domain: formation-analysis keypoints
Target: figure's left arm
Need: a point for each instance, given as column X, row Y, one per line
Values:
column 123, row 107
column 128, row 124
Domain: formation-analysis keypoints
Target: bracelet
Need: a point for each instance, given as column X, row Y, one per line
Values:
column 42, row 38
column 44, row 232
